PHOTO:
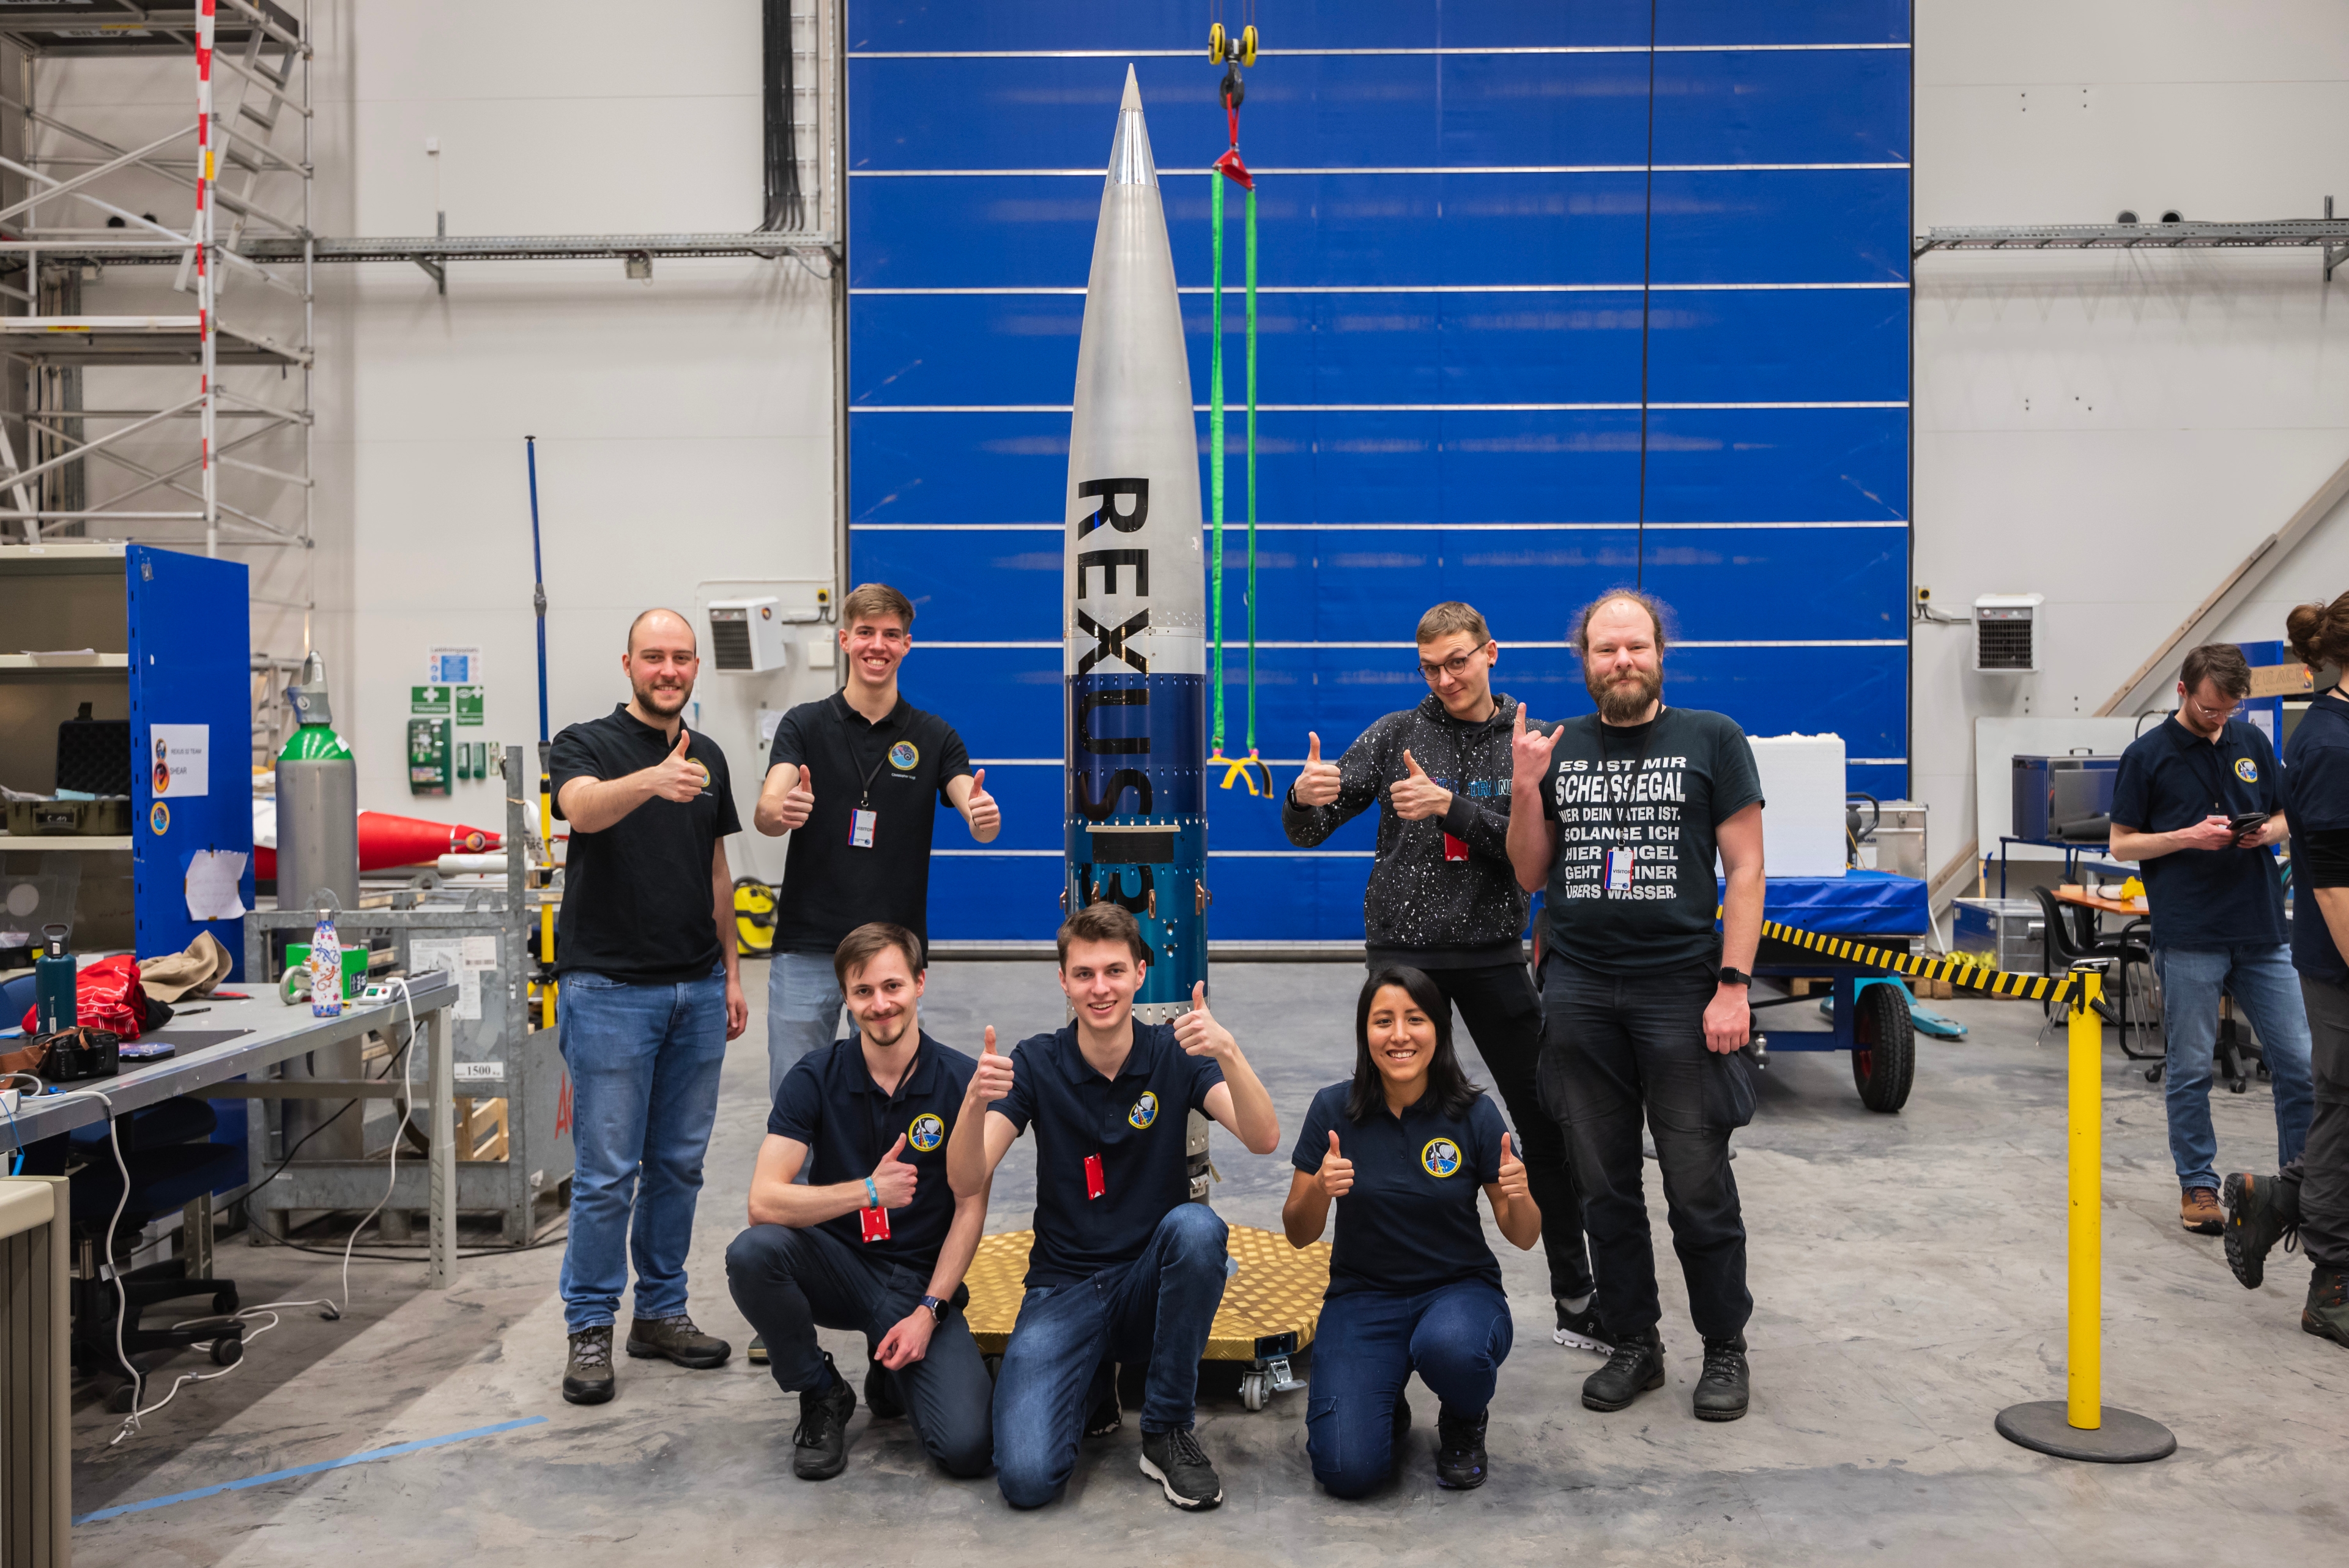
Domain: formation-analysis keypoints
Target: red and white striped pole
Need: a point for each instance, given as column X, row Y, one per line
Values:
column 203, row 240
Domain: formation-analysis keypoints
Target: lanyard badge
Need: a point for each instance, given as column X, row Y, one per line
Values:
column 860, row 828
column 1455, row 849
column 1094, row 1185
column 876, row 1222
column 1620, row 863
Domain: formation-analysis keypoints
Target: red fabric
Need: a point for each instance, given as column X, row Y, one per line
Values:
column 107, row 996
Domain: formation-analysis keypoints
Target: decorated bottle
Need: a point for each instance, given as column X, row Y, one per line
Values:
column 325, row 969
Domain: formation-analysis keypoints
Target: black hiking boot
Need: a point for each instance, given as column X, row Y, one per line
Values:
column 674, row 1338
column 2326, row 1315
column 587, row 1376
column 1460, row 1449
column 1722, row 1388
column 1636, row 1366
column 2261, row 1211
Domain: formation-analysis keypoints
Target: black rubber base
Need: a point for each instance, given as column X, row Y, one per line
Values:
column 2123, row 1438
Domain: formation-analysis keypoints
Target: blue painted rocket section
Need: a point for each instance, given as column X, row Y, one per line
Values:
column 1136, row 816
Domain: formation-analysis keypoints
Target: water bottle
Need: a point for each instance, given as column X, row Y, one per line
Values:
column 326, row 968
column 54, row 1007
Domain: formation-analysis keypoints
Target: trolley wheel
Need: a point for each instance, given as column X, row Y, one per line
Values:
column 1252, row 1390
column 227, row 1352
column 123, row 1398
column 2235, row 1085
column 2153, row 1074
column 1218, row 46
column 1247, row 49
column 1884, row 1051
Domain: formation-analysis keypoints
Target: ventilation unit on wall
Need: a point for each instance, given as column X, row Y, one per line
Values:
column 745, row 636
column 2006, row 633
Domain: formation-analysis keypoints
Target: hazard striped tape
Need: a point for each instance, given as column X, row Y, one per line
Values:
column 1958, row 971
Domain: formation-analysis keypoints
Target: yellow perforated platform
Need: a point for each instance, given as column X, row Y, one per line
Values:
column 1275, row 1289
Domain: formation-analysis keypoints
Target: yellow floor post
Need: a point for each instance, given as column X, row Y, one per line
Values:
column 2081, row 1426
column 2083, row 1374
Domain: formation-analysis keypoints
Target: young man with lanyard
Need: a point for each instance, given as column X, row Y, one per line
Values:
column 1442, row 899
column 873, row 1240
column 651, row 992
column 2199, row 805
column 852, row 779
column 1124, row 1268
column 2310, row 1196
column 1401, row 1151
column 1622, row 814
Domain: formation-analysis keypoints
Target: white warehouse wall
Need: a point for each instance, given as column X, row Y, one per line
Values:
column 684, row 425
column 2117, row 431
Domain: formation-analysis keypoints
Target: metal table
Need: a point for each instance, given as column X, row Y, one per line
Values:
column 277, row 1032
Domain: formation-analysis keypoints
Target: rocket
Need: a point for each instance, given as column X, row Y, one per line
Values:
column 1133, row 591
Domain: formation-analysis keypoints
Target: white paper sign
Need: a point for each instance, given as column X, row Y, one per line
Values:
column 213, row 875
column 479, row 953
column 769, row 721
column 479, row 1072
column 453, row 666
column 181, row 760
column 447, row 954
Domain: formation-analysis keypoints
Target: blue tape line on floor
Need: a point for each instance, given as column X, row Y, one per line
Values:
column 392, row 1452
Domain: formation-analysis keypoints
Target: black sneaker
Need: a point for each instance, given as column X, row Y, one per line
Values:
column 881, row 1394
column 1175, row 1460
column 1460, row 1449
column 1636, row 1365
column 1101, row 1414
column 821, row 1445
column 587, row 1375
column 2261, row 1211
column 1582, row 1330
column 674, row 1338
column 1721, row 1387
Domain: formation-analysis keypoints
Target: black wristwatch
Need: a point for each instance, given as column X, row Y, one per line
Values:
column 936, row 1307
column 1734, row 976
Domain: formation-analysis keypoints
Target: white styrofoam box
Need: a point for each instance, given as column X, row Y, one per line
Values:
column 1802, row 824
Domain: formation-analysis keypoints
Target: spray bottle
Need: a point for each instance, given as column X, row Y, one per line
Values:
column 326, row 968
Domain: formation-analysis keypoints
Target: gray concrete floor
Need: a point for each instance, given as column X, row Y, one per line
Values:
column 1909, row 1274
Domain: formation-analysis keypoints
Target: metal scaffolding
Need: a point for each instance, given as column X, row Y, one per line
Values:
column 2329, row 233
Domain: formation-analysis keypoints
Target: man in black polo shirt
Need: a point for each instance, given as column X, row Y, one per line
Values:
column 1124, row 1268
column 852, row 779
column 650, row 995
column 2186, row 788
column 874, row 1241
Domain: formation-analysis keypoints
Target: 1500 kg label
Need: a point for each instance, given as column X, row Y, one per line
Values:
column 478, row 1072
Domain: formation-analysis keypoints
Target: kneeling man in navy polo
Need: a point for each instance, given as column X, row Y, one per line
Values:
column 874, row 1241
column 1124, row 1268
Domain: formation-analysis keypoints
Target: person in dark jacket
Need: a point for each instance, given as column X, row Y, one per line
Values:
column 1444, row 900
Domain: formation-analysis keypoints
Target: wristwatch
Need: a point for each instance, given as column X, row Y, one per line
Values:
column 1734, row 976
column 936, row 1307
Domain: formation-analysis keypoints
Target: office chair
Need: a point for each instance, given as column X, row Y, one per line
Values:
column 2069, row 933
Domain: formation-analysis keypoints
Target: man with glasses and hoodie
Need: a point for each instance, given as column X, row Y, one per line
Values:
column 1444, row 900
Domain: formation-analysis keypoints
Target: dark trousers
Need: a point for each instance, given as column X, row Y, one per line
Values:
column 2322, row 1171
column 1615, row 1046
column 1455, row 1336
column 789, row 1283
column 1504, row 1016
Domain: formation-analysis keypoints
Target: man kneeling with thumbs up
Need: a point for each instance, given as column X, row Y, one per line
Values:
column 876, row 1239
column 1124, row 1268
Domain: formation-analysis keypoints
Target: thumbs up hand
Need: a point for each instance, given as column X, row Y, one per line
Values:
column 980, row 810
column 1513, row 1171
column 677, row 776
column 992, row 1082
column 799, row 801
column 1198, row 1032
column 1337, row 1173
column 1415, row 795
column 1529, row 751
column 1319, row 784
column 894, row 1179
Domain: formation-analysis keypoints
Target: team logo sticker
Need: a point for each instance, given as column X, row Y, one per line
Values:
column 1145, row 1112
column 2246, row 770
column 903, row 754
column 1440, row 1158
column 160, row 818
column 928, row 1131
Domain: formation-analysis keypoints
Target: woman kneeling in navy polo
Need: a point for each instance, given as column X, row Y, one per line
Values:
column 1402, row 1148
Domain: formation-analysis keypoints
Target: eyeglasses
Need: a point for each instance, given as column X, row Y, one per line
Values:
column 1455, row 667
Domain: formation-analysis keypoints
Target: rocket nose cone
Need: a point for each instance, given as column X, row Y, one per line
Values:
column 1130, row 162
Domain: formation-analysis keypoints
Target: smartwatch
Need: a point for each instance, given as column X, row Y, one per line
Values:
column 1734, row 976
column 936, row 1307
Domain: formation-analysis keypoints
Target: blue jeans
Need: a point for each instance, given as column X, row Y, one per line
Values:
column 802, row 1012
column 789, row 1282
column 643, row 1063
column 1156, row 1309
column 1455, row 1336
column 2266, row 986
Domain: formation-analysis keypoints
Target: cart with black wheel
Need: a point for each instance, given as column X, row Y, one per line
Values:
column 1870, row 1008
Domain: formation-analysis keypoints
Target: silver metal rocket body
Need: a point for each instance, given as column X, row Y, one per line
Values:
column 1134, row 584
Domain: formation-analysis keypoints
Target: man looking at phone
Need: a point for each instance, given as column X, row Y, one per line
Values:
column 2198, row 804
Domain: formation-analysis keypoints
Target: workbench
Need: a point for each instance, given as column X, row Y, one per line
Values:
column 273, row 1033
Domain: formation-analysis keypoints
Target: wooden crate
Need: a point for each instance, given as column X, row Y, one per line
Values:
column 481, row 1130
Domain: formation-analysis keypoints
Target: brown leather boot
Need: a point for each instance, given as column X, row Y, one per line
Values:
column 2199, row 1211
